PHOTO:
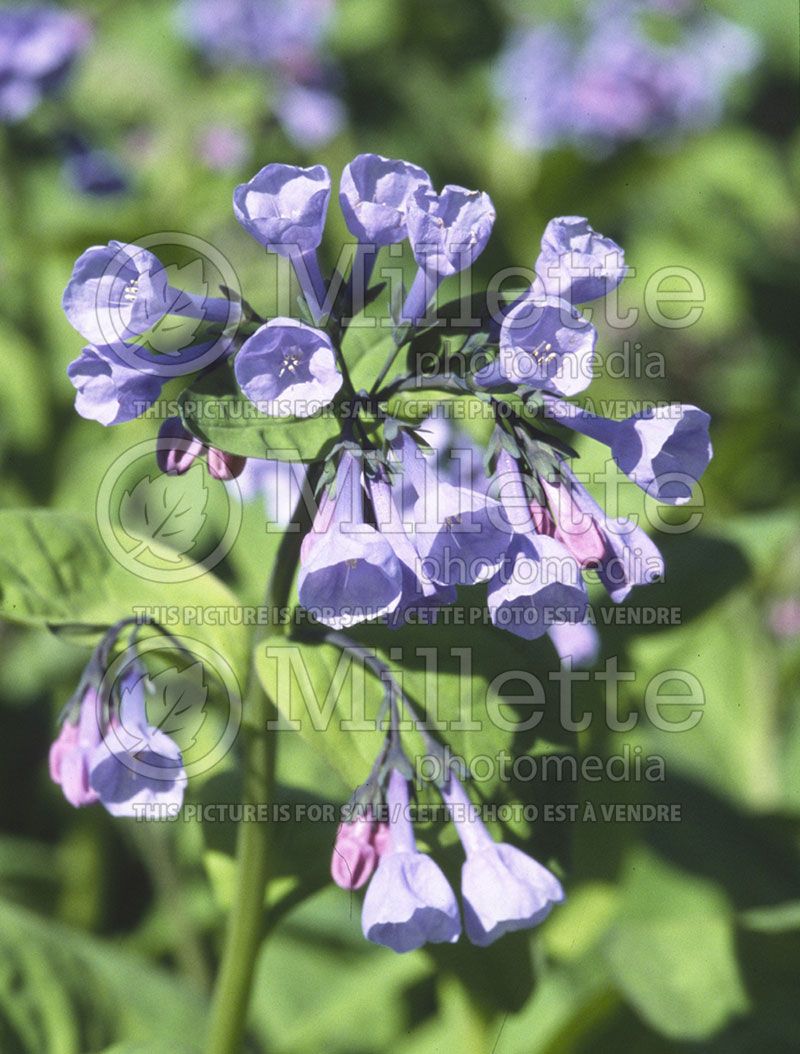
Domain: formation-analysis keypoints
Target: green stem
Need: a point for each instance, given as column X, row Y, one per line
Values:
column 243, row 938
column 385, row 369
column 228, row 1018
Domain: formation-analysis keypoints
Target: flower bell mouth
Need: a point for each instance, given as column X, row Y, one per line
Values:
column 291, row 361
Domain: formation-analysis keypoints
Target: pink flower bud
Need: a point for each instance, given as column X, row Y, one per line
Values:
column 225, row 466
column 579, row 532
column 177, row 447
column 542, row 520
column 357, row 851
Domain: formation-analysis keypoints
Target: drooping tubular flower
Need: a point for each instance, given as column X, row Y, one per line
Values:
column 458, row 532
column 348, row 570
column 503, row 889
column 621, row 553
column 116, row 383
column 72, row 751
column 576, row 642
column 664, row 450
column 108, row 389
column 136, row 764
column 409, row 902
column 110, row 753
column 539, row 582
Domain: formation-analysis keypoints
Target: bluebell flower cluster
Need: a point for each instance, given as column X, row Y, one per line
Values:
column 409, row 902
column 286, row 41
column 396, row 531
column 107, row 751
column 629, row 70
column 399, row 525
column 400, row 522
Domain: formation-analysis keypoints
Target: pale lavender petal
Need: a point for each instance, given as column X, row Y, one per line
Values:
column 546, row 343
column 375, row 194
column 576, row 263
column 288, row 369
column 284, row 207
column 538, row 584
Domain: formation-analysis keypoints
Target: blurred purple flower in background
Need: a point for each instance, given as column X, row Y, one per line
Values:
column 286, row 41
column 38, row 46
column 630, row 70
column 92, row 171
column 223, row 148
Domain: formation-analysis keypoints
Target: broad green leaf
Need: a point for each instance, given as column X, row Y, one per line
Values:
column 215, row 410
column 487, row 694
column 166, row 510
column 62, row 992
column 329, row 698
column 56, row 572
column 728, row 663
column 319, row 947
column 671, row 950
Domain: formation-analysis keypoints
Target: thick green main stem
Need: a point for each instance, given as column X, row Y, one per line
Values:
column 243, row 938
column 228, row 1018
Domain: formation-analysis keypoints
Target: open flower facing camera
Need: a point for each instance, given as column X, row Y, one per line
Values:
column 387, row 529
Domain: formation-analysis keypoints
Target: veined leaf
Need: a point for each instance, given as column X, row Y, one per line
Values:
column 55, row 572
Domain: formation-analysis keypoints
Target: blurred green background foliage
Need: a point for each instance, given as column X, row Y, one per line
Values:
column 681, row 936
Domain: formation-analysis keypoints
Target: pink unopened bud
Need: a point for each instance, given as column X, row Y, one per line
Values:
column 72, row 751
column 542, row 520
column 177, row 448
column 357, row 851
column 577, row 530
column 225, row 466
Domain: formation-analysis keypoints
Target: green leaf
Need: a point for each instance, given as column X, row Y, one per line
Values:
column 320, row 947
column 671, row 950
column 215, row 410
column 166, row 510
column 321, row 691
column 62, row 992
column 55, row 572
